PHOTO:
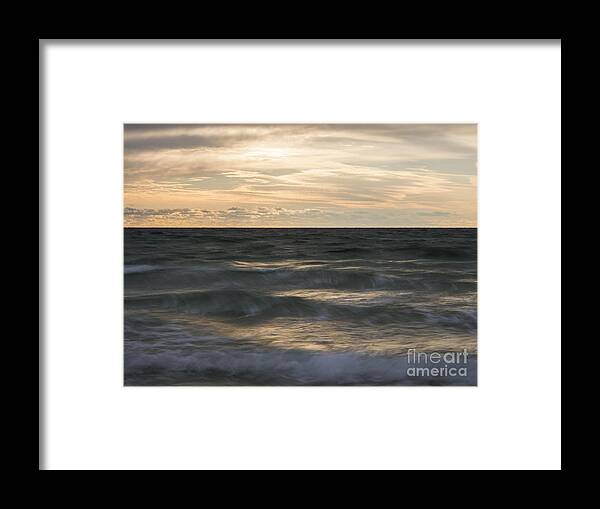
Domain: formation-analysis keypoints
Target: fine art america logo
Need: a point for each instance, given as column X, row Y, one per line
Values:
column 436, row 364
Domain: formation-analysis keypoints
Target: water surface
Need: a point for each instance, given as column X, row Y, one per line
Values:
column 297, row 306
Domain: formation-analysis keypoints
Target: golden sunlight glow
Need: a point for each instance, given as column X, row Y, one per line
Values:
column 266, row 152
column 285, row 175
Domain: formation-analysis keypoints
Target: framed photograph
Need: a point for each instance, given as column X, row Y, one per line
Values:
column 300, row 255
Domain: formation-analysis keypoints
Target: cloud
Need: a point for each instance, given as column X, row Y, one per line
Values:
column 150, row 138
column 204, row 217
column 387, row 171
column 172, row 143
column 284, row 217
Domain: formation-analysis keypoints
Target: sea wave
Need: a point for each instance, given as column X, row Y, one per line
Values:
column 251, row 305
column 284, row 367
column 305, row 276
column 294, row 306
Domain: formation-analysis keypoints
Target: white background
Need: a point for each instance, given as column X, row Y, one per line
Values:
column 511, row 421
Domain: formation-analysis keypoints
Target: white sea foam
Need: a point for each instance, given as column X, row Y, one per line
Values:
column 283, row 367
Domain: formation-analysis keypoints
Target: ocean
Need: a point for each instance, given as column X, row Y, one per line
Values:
column 300, row 306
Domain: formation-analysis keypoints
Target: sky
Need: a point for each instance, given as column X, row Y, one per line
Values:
column 300, row 175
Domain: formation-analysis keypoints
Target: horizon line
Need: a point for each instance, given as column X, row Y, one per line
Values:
column 298, row 227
